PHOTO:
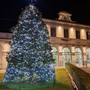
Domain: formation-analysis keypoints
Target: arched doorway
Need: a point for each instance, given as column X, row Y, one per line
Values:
column 88, row 55
column 79, row 58
column 55, row 55
column 66, row 55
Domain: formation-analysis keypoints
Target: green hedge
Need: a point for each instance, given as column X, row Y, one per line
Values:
column 80, row 77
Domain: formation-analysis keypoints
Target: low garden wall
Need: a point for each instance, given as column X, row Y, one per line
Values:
column 80, row 78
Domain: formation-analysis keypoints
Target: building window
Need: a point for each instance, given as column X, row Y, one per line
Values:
column 88, row 35
column 77, row 34
column 53, row 32
column 66, row 33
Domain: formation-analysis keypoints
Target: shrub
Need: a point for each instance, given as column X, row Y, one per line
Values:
column 80, row 77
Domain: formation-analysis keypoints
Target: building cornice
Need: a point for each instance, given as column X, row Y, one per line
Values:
column 66, row 24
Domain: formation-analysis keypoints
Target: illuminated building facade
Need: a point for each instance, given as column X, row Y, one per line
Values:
column 70, row 41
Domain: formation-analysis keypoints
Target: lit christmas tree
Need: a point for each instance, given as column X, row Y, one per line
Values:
column 30, row 59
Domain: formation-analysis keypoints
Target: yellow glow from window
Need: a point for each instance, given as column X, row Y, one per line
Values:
column 83, row 30
column 60, row 28
column 71, row 29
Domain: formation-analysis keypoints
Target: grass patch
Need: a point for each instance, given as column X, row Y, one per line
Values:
column 62, row 83
column 1, row 76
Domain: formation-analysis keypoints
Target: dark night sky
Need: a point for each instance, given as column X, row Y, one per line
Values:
column 11, row 9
